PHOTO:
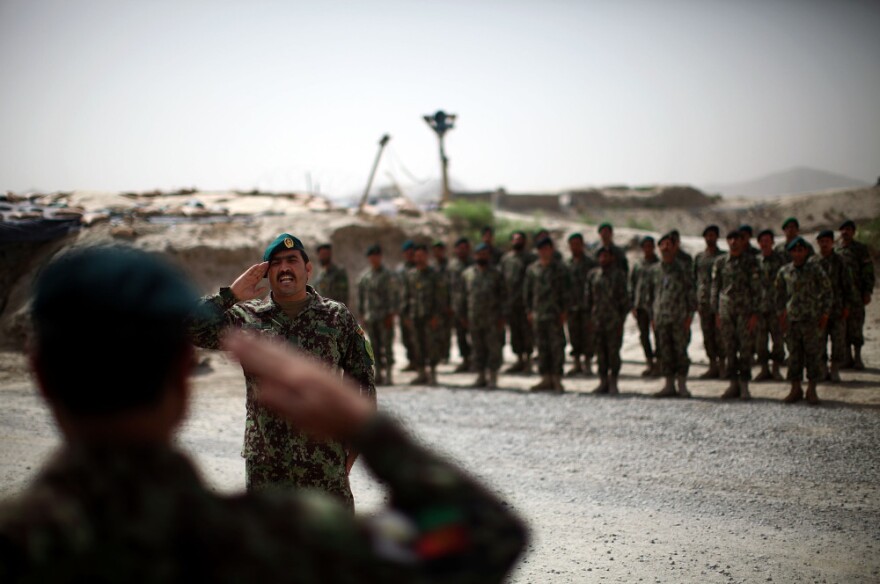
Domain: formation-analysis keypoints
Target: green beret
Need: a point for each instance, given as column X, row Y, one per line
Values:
column 825, row 233
column 374, row 249
column 575, row 236
column 797, row 241
column 280, row 243
column 666, row 236
column 544, row 241
column 848, row 223
column 481, row 247
column 712, row 228
column 791, row 220
column 407, row 245
column 605, row 224
column 439, row 244
column 646, row 239
column 746, row 228
column 767, row 232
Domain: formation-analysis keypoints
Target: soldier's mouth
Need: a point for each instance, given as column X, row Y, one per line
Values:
column 286, row 278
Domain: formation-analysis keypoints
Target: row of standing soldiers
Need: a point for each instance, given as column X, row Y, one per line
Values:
column 744, row 298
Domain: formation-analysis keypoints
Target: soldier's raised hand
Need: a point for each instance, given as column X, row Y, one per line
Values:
column 246, row 286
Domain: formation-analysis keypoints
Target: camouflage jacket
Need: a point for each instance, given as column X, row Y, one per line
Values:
column 547, row 290
column 685, row 259
column 324, row 328
column 620, row 260
column 454, row 271
column 332, row 283
column 843, row 291
column 736, row 287
column 780, row 249
column 481, row 298
column 425, row 293
column 768, row 267
column 858, row 259
column 703, row 264
column 670, row 289
column 142, row 514
column 495, row 255
column 605, row 297
column 804, row 293
column 638, row 283
column 378, row 294
column 578, row 270
column 513, row 267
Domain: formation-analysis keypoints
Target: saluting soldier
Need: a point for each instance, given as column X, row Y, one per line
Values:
column 331, row 280
column 378, row 304
column 546, row 290
column 703, row 265
column 735, row 288
column 482, row 305
column 606, row 300
column 579, row 326
column 769, row 262
column 858, row 259
column 670, row 289
column 457, row 265
column 641, row 303
column 513, row 267
column 803, row 296
column 844, row 295
column 425, row 301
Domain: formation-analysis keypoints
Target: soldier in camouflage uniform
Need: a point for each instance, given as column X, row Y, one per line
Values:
column 607, row 302
column 858, row 259
column 119, row 501
column 441, row 264
column 579, row 333
column 671, row 293
column 276, row 453
column 331, row 280
column 803, row 297
column 680, row 255
column 425, row 298
column 748, row 233
column 769, row 262
column 641, row 303
column 408, row 251
column 606, row 235
column 459, row 264
column 513, row 267
column 792, row 229
column 488, row 237
column 844, row 295
column 735, row 287
column 482, row 304
column 546, row 290
column 703, row 265
column 378, row 304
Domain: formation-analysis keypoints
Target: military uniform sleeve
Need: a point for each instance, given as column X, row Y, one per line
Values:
column 851, row 294
column 825, row 293
column 717, row 271
column 690, row 290
column 588, row 294
column 357, row 362
column 527, row 291
column 343, row 286
column 754, row 286
column 210, row 318
column 461, row 299
column 781, row 291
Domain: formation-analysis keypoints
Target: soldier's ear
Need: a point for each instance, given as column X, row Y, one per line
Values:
column 308, row 270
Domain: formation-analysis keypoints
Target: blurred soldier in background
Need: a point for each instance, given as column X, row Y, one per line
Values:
column 803, row 296
column 546, row 291
column 513, row 268
column 488, row 237
column 748, row 233
column 606, row 235
column 441, row 264
column 457, row 265
column 703, row 265
column 378, row 304
column 607, row 302
column 482, row 304
column 408, row 251
column 844, row 295
column 425, row 300
column 769, row 262
column 858, row 259
column 579, row 332
column 641, row 303
column 792, row 229
column 332, row 280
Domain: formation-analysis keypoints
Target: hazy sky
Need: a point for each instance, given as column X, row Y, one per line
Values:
column 123, row 94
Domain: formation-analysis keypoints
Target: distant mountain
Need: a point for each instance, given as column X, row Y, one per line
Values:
column 787, row 182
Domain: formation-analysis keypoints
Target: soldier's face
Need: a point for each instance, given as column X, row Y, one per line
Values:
column 420, row 257
column 545, row 253
column 375, row 260
column 439, row 253
column 766, row 243
column 826, row 246
column 517, row 241
column 799, row 255
column 605, row 259
column 791, row 231
column 605, row 233
column 288, row 274
column 735, row 244
column 847, row 233
column 408, row 255
column 648, row 249
column 711, row 238
column 482, row 257
column 325, row 256
column 667, row 250
column 576, row 246
column 462, row 250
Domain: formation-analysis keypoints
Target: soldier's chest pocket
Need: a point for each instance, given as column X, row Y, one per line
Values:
column 324, row 342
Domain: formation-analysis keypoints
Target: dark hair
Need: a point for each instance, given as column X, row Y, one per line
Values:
column 324, row 246
column 462, row 240
column 135, row 307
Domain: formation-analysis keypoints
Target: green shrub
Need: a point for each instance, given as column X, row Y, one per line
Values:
column 643, row 224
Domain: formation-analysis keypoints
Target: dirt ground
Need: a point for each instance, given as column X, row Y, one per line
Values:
column 616, row 489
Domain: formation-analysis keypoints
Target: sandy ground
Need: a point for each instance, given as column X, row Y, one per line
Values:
column 616, row 489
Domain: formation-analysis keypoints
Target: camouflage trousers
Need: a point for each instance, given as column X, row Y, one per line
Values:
column 580, row 334
column 836, row 332
column 738, row 345
column 608, row 338
column 520, row 331
column 427, row 342
column 446, row 338
column 643, row 320
column 855, row 325
column 550, row 338
column 768, row 329
column 285, row 475
column 487, row 342
column 382, row 340
column 804, row 340
column 407, row 340
column 672, row 346
column 711, row 335
column 461, row 335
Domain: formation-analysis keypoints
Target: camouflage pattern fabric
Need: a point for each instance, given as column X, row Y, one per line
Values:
column 332, row 282
column 425, row 299
column 844, row 294
column 620, row 260
column 378, row 299
column 703, row 264
column 768, row 316
column 607, row 302
column 326, row 329
column 861, row 266
column 735, row 287
column 481, row 299
column 670, row 289
column 405, row 330
column 141, row 514
column 579, row 331
column 448, row 321
column 686, row 260
column 455, row 268
column 547, row 291
column 513, row 267
column 804, row 293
